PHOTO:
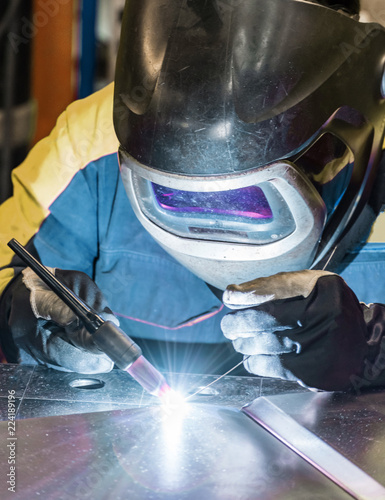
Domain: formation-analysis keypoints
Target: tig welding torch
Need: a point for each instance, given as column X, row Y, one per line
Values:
column 108, row 337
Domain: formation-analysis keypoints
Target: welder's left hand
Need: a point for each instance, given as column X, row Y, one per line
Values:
column 304, row 326
column 44, row 329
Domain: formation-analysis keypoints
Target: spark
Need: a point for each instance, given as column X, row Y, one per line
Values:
column 173, row 402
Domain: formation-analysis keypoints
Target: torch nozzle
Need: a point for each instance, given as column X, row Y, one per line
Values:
column 148, row 377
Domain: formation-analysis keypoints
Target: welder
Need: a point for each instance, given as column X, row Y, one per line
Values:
column 227, row 187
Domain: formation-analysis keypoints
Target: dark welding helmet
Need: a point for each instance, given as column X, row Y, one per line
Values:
column 250, row 130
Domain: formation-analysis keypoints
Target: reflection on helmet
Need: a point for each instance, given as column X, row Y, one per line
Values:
column 253, row 144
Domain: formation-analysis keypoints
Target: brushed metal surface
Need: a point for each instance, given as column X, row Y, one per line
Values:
column 341, row 434
column 209, row 452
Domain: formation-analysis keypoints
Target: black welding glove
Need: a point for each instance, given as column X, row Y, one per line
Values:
column 46, row 329
column 308, row 327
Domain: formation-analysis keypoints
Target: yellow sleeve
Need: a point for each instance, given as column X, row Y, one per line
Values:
column 83, row 133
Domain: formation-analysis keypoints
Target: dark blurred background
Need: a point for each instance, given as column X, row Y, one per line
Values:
column 51, row 53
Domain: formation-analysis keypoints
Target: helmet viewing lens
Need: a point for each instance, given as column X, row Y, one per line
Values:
column 249, row 202
column 253, row 214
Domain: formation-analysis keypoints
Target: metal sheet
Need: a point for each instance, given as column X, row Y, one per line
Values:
column 45, row 392
column 210, row 452
column 341, row 434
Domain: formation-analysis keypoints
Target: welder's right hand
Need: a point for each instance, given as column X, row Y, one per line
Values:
column 307, row 326
column 47, row 330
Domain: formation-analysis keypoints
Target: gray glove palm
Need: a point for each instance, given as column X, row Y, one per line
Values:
column 308, row 327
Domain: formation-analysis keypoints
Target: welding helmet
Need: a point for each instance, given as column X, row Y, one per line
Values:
column 250, row 130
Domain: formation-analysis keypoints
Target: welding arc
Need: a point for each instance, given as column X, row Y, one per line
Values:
column 216, row 380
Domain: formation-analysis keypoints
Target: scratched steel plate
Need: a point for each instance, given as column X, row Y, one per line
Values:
column 208, row 452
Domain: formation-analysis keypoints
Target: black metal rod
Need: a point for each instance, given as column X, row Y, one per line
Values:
column 87, row 315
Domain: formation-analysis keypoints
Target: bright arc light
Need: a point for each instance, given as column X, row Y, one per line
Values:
column 174, row 414
column 173, row 401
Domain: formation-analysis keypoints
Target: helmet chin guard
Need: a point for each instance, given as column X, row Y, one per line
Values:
column 283, row 99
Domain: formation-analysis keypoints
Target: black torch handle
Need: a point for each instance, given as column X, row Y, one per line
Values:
column 90, row 318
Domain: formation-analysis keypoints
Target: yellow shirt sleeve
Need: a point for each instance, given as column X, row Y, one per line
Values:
column 83, row 133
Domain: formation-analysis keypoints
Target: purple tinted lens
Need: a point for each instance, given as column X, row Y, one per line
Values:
column 246, row 202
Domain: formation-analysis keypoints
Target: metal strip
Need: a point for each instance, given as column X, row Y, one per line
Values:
column 315, row 451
